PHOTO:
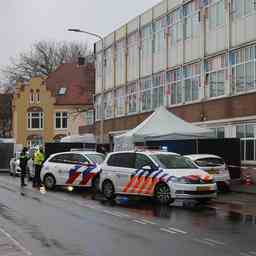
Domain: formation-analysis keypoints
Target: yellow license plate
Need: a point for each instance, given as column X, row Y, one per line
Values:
column 203, row 188
column 213, row 171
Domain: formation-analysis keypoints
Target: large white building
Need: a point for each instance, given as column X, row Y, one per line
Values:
column 196, row 57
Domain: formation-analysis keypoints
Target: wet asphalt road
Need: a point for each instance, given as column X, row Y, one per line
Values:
column 63, row 223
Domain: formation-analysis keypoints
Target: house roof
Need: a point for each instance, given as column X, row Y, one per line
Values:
column 72, row 84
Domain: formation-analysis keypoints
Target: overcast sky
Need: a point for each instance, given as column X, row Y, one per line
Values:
column 23, row 22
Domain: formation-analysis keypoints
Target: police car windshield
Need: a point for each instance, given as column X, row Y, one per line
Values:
column 96, row 158
column 168, row 161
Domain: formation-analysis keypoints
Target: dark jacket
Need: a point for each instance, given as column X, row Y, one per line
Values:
column 23, row 160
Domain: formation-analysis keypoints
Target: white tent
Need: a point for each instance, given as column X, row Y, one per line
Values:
column 85, row 138
column 161, row 125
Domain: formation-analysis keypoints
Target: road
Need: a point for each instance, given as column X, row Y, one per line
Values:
column 63, row 223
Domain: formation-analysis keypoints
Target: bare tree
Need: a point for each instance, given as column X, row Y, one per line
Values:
column 43, row 58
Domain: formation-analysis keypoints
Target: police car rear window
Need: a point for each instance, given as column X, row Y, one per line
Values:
column 122, row 160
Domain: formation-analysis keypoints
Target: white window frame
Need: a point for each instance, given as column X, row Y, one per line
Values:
column 145, row 89
column 109, row 105
column 192, row 77
column 240, row 13
column 171, row 82
column 132, row 96
column 174, row 27
column 242, row 53
column 219, row 64
column 89, row 117
column 30, row 117
column 31, row 97
column 61, row 117
column 158, row 44
column 98, row 108
column 213, row 11
column 120, row 95
column 158, row 86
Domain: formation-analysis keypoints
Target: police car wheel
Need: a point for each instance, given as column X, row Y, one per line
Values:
column 49, row 181
column 108, row 189
column 163, row 194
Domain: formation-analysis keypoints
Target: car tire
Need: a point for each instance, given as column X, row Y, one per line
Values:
column 49, row 181
column 108, row 190
column 162, row 194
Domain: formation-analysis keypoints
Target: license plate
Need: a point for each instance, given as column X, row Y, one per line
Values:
column 213, row 171
column 203, row 188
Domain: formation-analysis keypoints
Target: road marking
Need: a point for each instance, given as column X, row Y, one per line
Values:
column 123, row 214
column 16, row 242
column 149, row 222
column 178, row 230
column 253, row 253
column 113, row 213
column 245, row 254
column 204, row 242
column 140, row 222
column 214, row 241
column 167, row 230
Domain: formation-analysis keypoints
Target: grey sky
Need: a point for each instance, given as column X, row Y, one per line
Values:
column 23, row 22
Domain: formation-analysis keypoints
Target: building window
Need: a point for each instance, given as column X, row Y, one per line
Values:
column 133, row 56
column 120, row 62
column 89, row 117
column 216, row 73
column 192, row 81
column 35, row 120
column 174, row 87
column 37, row 97
column 245, row 131
column 158, row 90
column 109, row 68
column 61, row 91
column 174, row 21
column 61, row 120
column 109, row 105
column 120, row 102
column 191, row 19
column 146, row 94
column 132, row 98
column 242, row 8
column 243, row 62
column 159, row 38
column 98, row 107
column 31, row 97
column 216, row 14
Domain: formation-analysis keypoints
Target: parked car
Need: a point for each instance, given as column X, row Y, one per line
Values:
column 161, row 175
column 76, row 169
column 15, row 166
column 215, row 166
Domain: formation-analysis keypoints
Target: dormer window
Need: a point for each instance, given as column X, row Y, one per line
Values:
column 62, row 91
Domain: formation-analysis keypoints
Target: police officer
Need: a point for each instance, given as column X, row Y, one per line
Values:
column 38, row 162
column 23, row 166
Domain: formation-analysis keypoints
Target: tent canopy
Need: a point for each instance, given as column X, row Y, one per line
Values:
column 161, row 125
column 85, row 138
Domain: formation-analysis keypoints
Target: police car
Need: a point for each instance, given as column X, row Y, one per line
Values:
column 162, row 175
column 215, row 166
column 76, row 169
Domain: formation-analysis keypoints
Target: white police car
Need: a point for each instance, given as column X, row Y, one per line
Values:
column 215, row 166
column 164, row 176
column 76, row 169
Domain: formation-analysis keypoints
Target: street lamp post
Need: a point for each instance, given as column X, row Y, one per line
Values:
column 102, row 82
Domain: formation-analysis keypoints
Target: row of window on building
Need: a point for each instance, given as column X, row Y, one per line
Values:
column 220, row 76
column 179, row 25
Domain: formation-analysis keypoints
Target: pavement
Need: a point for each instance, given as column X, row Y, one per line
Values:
column 72, row 223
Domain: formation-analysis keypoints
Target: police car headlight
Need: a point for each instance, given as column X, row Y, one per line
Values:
column 180, row 180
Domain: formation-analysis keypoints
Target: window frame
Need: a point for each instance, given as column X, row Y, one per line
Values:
column 61, row 117
column 30, row 120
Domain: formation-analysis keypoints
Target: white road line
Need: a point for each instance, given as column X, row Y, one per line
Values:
column 16, row 242
column 253, row 253
column 149, row 222
column 167, row 230
column 245, row 254
column 123, row 214
column 140, row 222
column 214, row 241
column 204, row 242
column 113, row 213
column 178, row 230
column 12, row 254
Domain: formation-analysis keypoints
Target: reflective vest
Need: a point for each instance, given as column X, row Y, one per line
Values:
column 38, row 158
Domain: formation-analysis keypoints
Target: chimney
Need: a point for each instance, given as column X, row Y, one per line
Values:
column 81, row 61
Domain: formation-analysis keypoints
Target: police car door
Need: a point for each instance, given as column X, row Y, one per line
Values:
column 122, row 166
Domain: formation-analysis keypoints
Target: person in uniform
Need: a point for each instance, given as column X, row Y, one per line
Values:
column 38, row 163
column 23, row 166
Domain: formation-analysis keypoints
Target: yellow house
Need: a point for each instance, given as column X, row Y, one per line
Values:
column 47, row 110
